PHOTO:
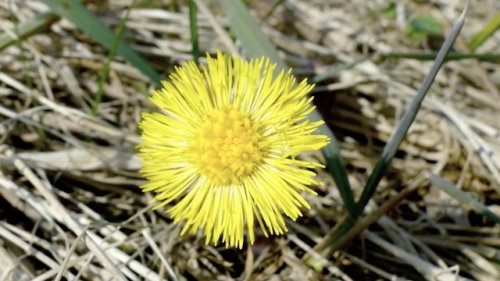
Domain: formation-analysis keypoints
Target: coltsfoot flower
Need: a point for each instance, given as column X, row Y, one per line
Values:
column 223, row 148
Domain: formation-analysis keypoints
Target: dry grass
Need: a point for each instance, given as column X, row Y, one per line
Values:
column 70, row 208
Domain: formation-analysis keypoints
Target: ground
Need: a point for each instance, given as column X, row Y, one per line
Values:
column 70, row 206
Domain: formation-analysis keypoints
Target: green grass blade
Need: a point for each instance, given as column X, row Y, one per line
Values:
column 27, row 29
column 103, row 76
column 74, row 11
column 399, row 134
column 193, row 25
column 246, row 29
column 335, row 165
column 271, row 11
column 485, row 33
column 451, row 56
column 256, row 44
column 462, row 197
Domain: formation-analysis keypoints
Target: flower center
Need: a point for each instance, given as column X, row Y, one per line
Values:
column 226, row 146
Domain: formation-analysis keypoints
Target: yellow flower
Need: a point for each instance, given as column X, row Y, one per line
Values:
column 223, row 148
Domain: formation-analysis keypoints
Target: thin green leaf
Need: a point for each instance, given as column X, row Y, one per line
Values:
column 271, row 11
column 27, row 29
column 451, row 56
column 486, row 32
column 422, row 26
column 462, row 197
column 399, row 134
column 74, row 11
column 193, row 25
column 335, row 165
column 426, row 24
column 103, row 76
column 246, row 29
column 256, row 44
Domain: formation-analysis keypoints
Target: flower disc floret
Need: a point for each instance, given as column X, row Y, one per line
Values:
column 226, row 146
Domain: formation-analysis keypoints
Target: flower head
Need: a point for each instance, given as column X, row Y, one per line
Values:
column 224, row 148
